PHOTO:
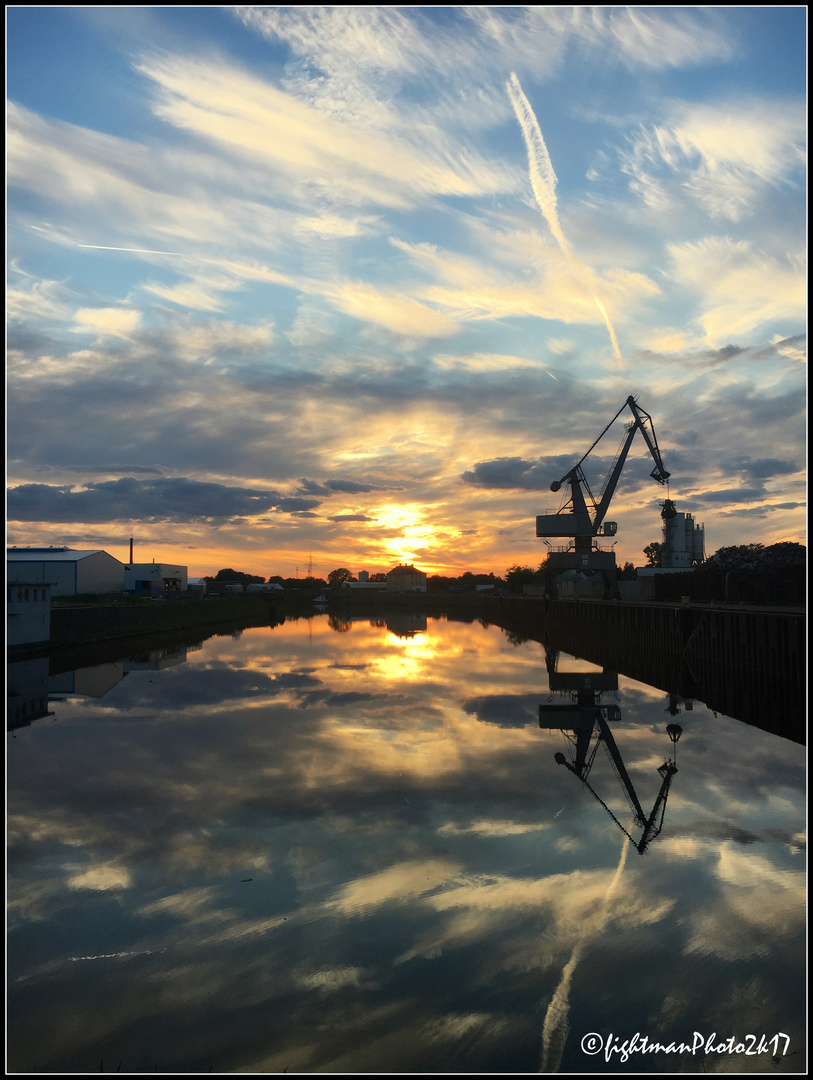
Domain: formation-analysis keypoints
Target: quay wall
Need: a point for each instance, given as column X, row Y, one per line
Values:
column 98, row 623
column 746, row 663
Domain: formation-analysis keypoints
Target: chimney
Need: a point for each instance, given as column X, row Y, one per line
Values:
column 131, row 551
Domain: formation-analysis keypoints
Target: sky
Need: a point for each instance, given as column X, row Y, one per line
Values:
column 301, row 286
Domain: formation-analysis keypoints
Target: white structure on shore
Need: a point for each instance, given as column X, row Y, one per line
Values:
column 154, row 579
column 28, row 613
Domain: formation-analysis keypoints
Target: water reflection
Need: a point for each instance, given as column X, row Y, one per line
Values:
column 588, row 714
column 306, row 850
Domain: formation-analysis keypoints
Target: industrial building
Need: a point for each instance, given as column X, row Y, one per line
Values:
column 28, row 613
column 154, row 579
column 69, row 572
column 683, row 541
column 406, row 579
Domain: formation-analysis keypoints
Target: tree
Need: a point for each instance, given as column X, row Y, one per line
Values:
column 517, row 576
column 627, row 572
column 379, row 577
column 337, row 578
column 653, row 553
column 228, row 574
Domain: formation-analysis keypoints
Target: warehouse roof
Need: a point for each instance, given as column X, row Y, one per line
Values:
column 49, row 554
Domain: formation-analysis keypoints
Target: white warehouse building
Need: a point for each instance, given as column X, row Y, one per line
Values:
column 68, row 572
column 155, row 579
column 28, row 613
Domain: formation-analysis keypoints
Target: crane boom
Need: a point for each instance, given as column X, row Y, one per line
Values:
column 579, row 518
column 659, row 473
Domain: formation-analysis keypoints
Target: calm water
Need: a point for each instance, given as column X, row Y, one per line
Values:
column 348, row 847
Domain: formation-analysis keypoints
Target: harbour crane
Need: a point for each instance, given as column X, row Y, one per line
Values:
column 583, row 516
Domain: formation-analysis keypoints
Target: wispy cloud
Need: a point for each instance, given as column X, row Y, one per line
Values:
column 724, row 156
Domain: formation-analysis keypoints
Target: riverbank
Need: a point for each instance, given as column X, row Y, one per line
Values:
column 86, row 624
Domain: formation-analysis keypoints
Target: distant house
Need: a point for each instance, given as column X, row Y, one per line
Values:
column 28, row 613
column 406, row 579
column 68, row 572
column 196, row 585
column 264, row 587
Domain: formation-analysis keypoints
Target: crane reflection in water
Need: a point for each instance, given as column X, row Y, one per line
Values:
column 585, row 724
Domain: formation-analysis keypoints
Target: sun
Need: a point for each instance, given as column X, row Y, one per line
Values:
column 413, row 532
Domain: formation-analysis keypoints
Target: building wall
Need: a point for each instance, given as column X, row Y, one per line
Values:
column 152, row 579
column 406, row 579
column 61, row 576
column 99, row 573
column 28, row 613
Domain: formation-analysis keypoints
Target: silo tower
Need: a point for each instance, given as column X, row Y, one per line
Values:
column 683, row 541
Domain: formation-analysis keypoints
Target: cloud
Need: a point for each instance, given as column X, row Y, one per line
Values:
column 504, row 710
column 399, row 314
column 169, row 499
column 740, row 289
column 120, row 322
column 723, row 156
column 540, row 39
column 760, row 468
column 486, row 362
column 29, row 297
column 296, row 505
column 552, row 285
column 514, row 472
column 347, row 160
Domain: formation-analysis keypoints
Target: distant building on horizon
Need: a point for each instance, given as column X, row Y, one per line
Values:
column 406, row 578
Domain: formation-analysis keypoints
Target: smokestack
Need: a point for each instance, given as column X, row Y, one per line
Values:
column 131, row 551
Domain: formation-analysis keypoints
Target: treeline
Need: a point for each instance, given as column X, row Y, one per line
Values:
column 228, row 576
column 434, row 583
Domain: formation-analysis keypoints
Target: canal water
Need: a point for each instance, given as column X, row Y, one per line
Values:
column 360, row 846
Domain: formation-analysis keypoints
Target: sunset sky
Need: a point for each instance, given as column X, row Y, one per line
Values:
column 356, row 284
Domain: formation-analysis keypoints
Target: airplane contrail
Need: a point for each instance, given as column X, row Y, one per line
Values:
column 141, row 251
column 556, row 1026
column 543, row 184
